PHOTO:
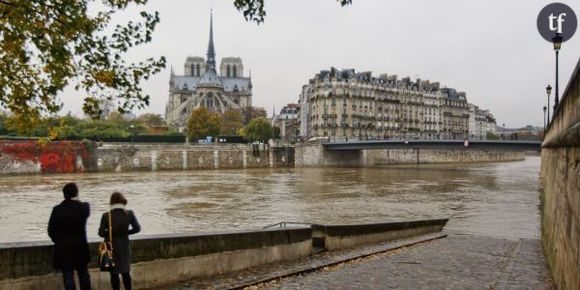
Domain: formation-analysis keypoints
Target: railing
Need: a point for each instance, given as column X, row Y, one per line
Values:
column 283, row 224
column 353, row 144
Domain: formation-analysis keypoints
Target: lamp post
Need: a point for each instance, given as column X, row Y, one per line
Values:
column 557, row 40
column 503, row 131
column 545, row 108
column 548, row 91
column 132, row 127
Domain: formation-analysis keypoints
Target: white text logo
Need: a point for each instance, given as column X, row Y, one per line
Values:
column 559, row 19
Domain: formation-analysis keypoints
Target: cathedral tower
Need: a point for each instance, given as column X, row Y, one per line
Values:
column 200, row 86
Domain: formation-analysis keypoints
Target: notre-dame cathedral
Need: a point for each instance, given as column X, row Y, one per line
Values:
column 201, row 86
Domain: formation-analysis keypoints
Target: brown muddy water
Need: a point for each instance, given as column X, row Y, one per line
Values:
column 493, row 199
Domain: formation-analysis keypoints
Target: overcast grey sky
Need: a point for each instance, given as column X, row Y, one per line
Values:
column 490, row 49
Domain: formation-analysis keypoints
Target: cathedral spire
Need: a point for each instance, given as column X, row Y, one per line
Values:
column 210, row 63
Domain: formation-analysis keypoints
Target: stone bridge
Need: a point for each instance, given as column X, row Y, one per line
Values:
column 387, row 152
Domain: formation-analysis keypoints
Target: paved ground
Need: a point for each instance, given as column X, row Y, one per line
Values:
column 238, row 280
column 454, row 262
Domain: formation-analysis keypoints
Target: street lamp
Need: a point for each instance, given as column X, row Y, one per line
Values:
column 132, row 127
column 557, row 40
column 503, row 131
column 545, row 108
column 548, row 91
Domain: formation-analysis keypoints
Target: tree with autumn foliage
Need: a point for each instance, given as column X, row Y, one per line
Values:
column 232, row 122
column 253, row 10
column 203, row 123
column 151, row 120
column 48, row 45
column 259, row 129
column 251, row 113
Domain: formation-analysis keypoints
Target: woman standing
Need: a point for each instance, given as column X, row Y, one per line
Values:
column 121, row 219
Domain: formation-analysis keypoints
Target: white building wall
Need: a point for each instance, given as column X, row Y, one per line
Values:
column 304, row 112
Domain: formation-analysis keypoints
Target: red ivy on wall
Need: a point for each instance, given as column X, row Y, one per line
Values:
column 54, row 157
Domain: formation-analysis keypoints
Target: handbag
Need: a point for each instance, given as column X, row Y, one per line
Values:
column 106, row 261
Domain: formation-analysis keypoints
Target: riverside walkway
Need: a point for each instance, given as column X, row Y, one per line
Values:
column 452, row 262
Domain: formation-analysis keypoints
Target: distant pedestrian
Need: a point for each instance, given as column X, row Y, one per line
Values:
column 121, row 220
column 67, row 230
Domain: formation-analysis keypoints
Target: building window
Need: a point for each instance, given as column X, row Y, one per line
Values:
column 228, row 70
column 235, row 71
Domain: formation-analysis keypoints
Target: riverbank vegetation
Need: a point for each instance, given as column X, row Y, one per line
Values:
column 147, row 127
column 69, row 127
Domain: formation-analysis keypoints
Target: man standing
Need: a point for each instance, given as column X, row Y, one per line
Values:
column 67, row 230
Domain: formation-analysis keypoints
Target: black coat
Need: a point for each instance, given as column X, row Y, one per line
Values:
column 121, row 220
column 67, row 230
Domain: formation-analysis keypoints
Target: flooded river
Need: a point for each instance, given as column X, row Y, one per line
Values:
column 494, row 199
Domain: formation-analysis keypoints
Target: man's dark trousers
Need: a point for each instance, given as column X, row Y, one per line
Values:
column 84, row 278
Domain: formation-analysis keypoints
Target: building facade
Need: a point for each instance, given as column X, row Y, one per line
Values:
column 201, row 86
column 481, row 122
column 346, row 104
column 287, row 122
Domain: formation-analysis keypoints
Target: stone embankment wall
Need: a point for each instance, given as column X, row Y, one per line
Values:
column 127, row 157
column 560, row 189
column 22, row 157
column 336, row 237
column 163, row 259
column 26, row 157
column 315, row 155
